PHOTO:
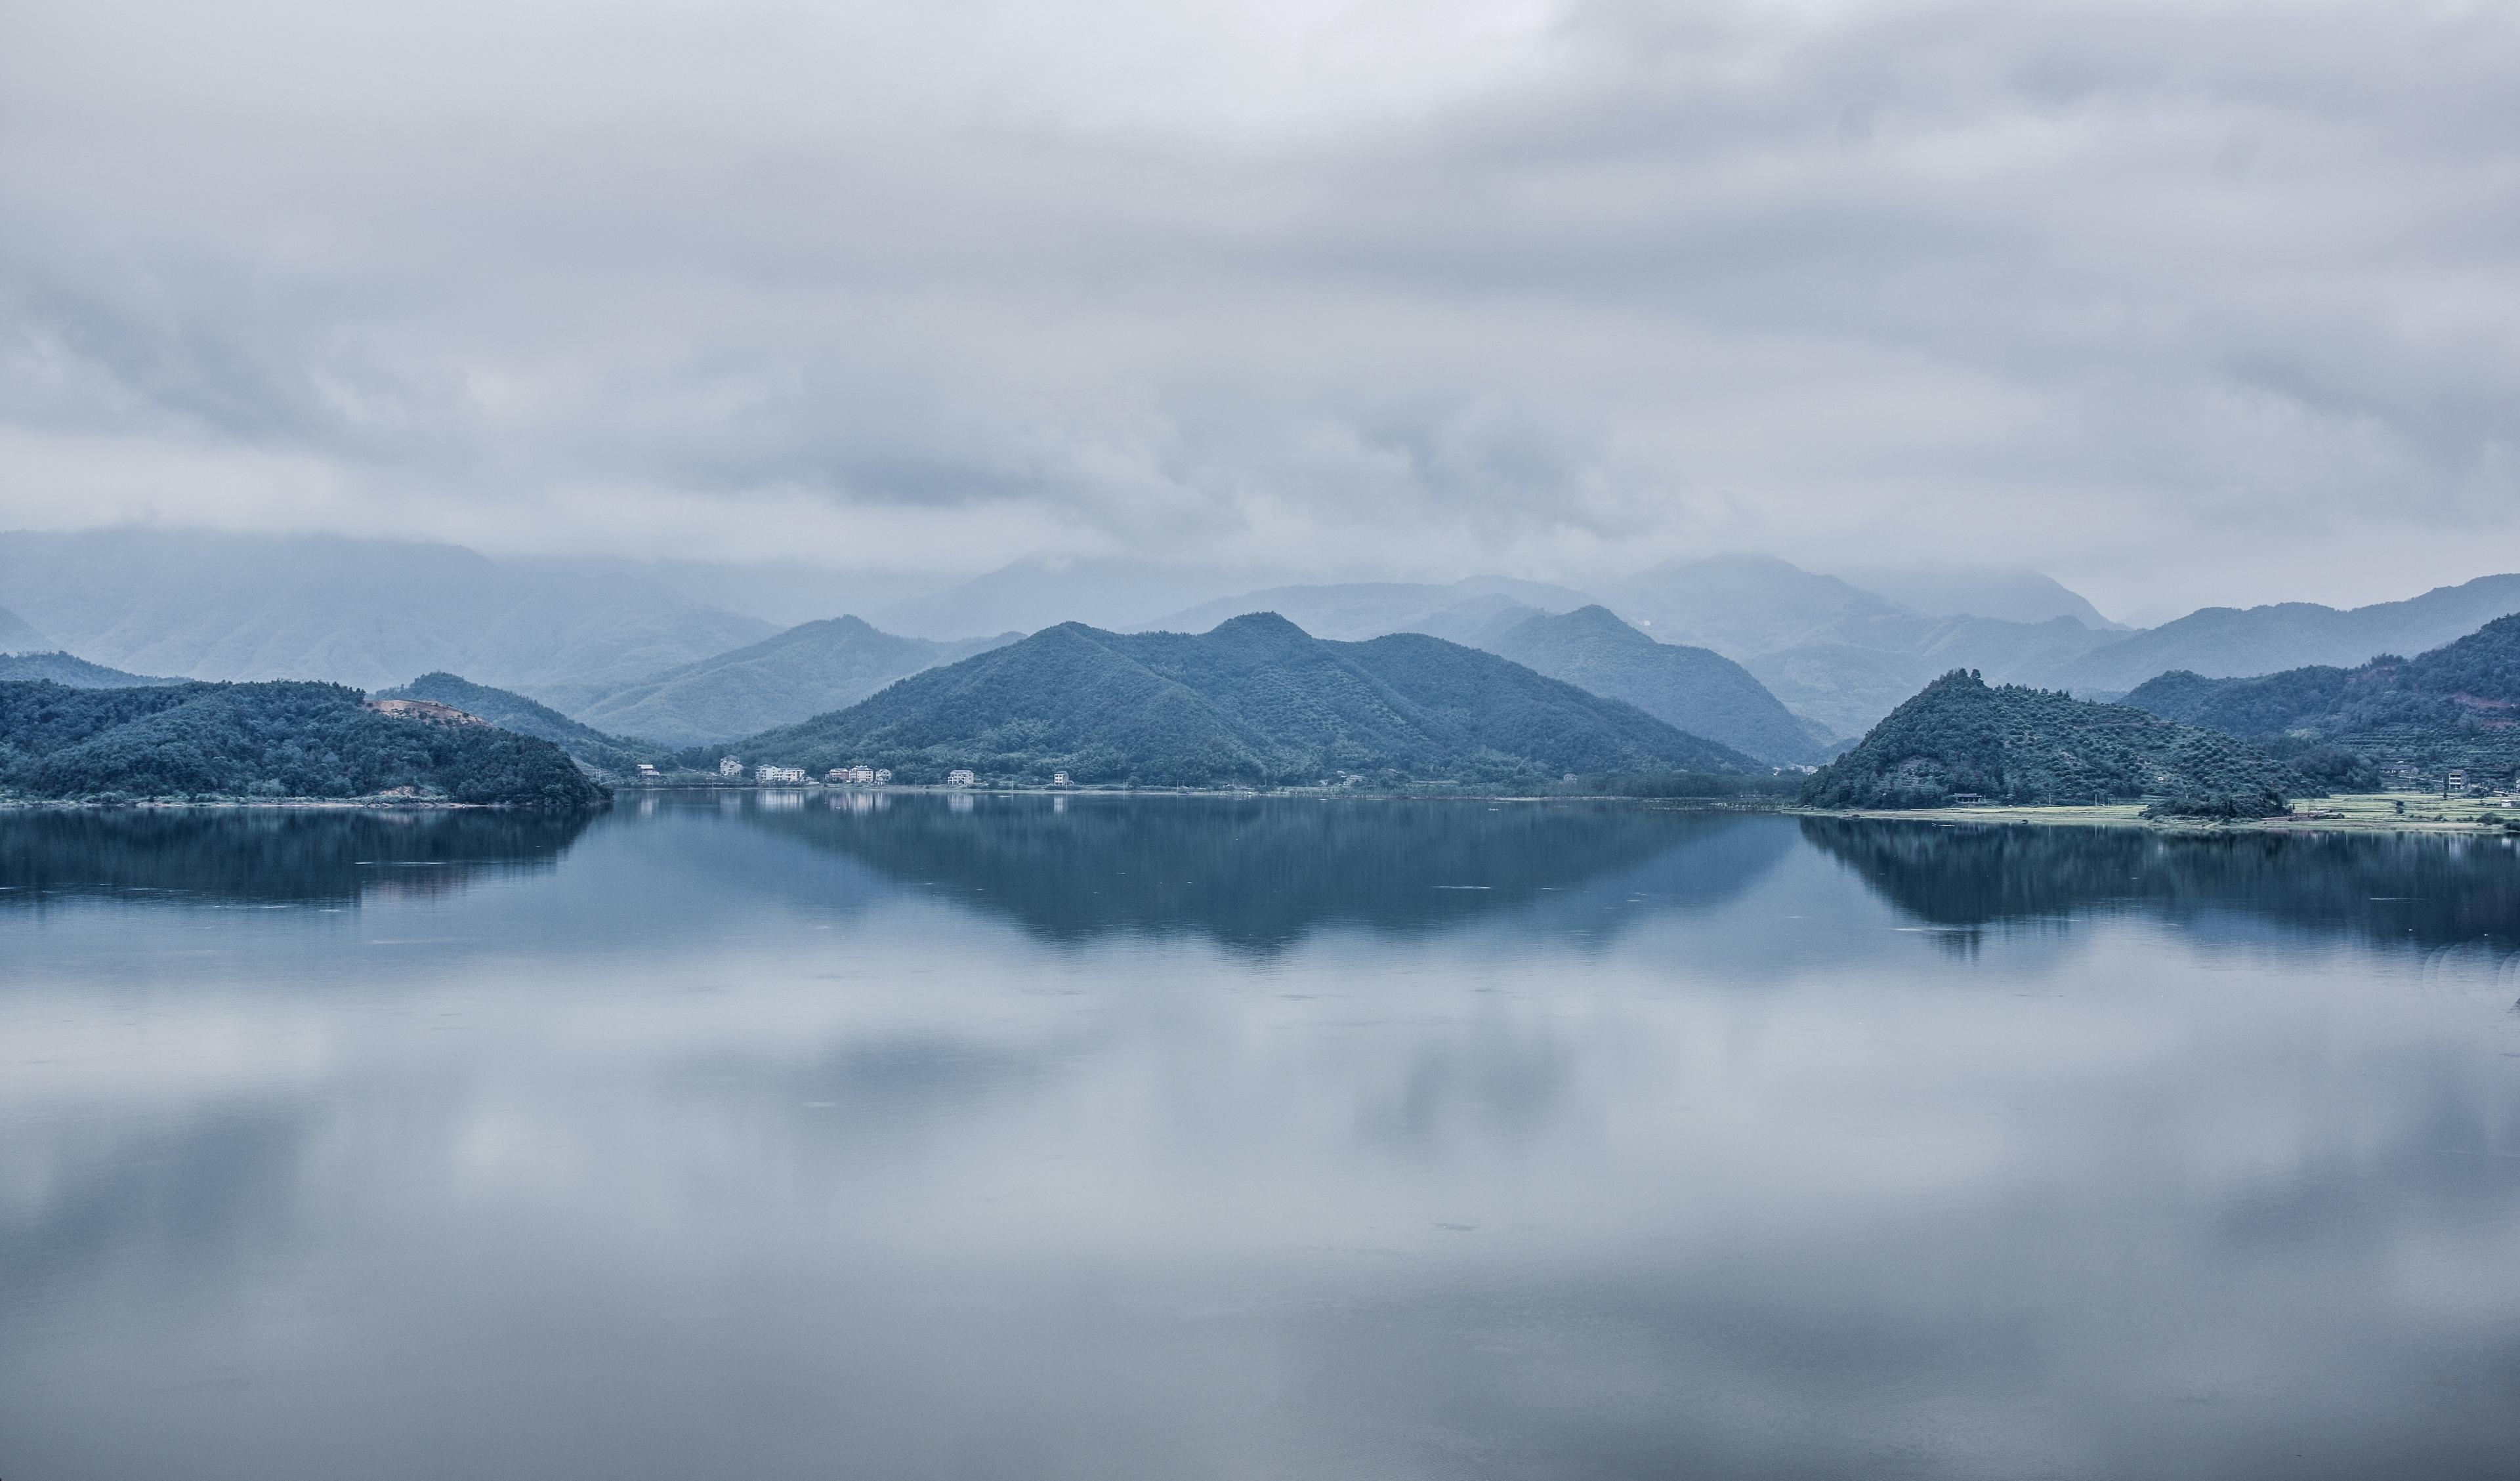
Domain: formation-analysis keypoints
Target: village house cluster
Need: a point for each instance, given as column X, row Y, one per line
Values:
column 771, row 774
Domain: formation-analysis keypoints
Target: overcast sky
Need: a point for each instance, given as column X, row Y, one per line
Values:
column 2181, row 303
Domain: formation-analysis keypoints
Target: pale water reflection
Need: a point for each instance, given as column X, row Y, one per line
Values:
column 1187, row 1137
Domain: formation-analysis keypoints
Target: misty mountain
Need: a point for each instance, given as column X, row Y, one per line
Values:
column 362, row 612
column 74, row 673
column 2009, row 595
column 1692, row 688
column 1353, row 610
column 2455, row 705
column 2223, row 642
column 804, row 671
column 1257, row 700
column 1828, row 649
column 19, row 635
column 781, row 595
column 1031, row 595
column 511, row 712
column 2010, row 743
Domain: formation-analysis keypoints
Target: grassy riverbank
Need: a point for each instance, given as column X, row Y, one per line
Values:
column 2369, row 812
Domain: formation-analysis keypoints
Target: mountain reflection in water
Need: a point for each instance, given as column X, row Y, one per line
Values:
column 1261, row 873
column 2422, row 890
column 786, row 1135
column 270, row 854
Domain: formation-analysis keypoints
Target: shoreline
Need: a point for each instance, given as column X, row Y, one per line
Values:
column 2356, row 813
column 279, row 804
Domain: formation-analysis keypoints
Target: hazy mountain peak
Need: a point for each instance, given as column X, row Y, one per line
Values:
column 811, row 667
column 2011, row 594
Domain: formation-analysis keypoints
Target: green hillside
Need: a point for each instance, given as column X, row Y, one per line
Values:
column 275, row 740
column 2457, row 705
column 803, row 672
column 513, row 712
column 1693, row 689
column 1256, row 701
column 2019, row 745
column 77, row 673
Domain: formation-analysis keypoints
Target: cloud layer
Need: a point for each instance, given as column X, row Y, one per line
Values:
column 2181, row 303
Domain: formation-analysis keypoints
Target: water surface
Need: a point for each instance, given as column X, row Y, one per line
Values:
column 785, row 1135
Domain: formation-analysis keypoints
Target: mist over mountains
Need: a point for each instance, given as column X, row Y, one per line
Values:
column 363, row 613
column 1748, row 651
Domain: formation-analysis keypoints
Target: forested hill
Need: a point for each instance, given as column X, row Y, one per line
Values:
column 1254, row 702
column 276, row 740
column 2021, row 745
column 2459, row 705
column 513, row 712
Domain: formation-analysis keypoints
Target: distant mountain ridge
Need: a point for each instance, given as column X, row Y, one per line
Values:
column 2007, row 595
column 2455, row 705
column 364, row 613
column 19, row 635
column 1353, row 610
column 1028, row 595
column 1829, row 650
column 1696, row 689
column 73, row 672
column 2223, row 642
column 2008, row 744
column 805, row 671
column 1835, row 654
column 1254, row 702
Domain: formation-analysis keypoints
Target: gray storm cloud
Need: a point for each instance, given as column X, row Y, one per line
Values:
column 2181, row 305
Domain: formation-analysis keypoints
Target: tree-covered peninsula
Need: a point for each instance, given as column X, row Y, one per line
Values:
column 1960, row 738
column 202, row 742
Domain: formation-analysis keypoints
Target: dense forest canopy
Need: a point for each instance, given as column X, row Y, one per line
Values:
column 1256, row 701
column 2008, row 743
column 274, row 739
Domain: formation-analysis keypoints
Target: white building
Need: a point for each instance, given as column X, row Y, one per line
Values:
column 863, row 776
column 779, row 776
column 648, row 771
column 1059, row 779
column 883, row 777
column 960, row 777
column 727, row 766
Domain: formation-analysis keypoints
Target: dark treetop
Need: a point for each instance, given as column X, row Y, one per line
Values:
column 2026, row 746
column 1256, row 701
column 275, row 740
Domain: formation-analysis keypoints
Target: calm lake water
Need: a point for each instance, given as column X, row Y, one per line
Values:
column 763, row 1136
